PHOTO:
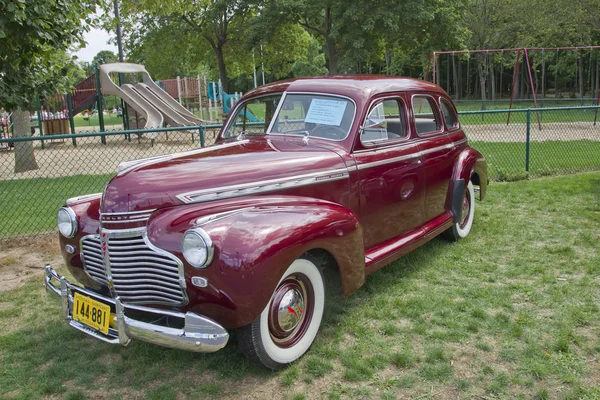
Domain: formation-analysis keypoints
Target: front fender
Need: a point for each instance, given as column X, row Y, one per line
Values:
column 255, row 245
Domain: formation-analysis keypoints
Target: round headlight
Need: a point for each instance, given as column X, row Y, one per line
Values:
column 67, row 222
column 197, row 247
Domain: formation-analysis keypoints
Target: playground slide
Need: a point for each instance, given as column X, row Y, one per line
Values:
column 154, row 118
column 171, row 102
column 154, row 104
column 171, row 117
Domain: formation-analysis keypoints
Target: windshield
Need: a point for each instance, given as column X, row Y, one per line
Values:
column 327, row 117
column 254, row 116
column 314, row 115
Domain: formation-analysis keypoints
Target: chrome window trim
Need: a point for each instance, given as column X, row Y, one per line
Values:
column 224, row 192
column 452, row 128
column 240, row 104
column 316, row 137
column 412, row 106
column 386, row 142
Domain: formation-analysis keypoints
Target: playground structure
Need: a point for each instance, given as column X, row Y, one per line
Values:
column 198, row 93
column 541, row 76
column 128, row 91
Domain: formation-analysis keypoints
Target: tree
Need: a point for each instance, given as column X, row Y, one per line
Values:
column 34, row 38
column 218, row 22
column 359, row 33
column 105, row 57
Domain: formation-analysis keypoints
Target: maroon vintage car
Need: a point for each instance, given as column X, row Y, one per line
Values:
column 181, row 248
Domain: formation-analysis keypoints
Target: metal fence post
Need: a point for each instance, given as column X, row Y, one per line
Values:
column 201, row 132
column 100, row 107
column 527, row 140
column 71, row 119
column 39, row 115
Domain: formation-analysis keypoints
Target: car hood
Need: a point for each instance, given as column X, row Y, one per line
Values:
column 164, row 181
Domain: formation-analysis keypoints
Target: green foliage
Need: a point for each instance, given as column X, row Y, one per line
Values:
column 105, row 57
column 34, row 38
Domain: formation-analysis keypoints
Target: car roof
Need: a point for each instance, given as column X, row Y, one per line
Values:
column 353, row 86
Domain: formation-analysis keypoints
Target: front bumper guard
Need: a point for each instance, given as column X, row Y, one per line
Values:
column 199, row 334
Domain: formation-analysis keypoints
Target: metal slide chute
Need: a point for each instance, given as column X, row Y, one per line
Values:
column 147, row 98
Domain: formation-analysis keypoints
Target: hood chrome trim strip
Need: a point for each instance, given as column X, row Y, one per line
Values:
column 127, row 166
column 244, row 189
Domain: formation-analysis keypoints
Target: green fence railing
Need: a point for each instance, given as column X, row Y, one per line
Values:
column 38, row 173
column 532, row 142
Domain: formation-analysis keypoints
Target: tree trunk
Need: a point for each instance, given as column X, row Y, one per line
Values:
column 222, row 68
column 24, row 155
column 482, row 81
column 330, row 43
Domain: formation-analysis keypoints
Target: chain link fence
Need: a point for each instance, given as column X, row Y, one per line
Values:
column 517, row 144
column 534, row 142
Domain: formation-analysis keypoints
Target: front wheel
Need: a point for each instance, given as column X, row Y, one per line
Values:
column 462, row 227
column 287, row 326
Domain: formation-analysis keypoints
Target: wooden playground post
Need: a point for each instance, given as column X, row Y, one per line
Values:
column 179, row 89
column 200, row 97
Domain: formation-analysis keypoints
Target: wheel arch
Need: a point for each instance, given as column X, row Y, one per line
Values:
column 253, row 247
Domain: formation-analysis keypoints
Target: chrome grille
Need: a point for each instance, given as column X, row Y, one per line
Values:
column 91, row 252
column 140, row 273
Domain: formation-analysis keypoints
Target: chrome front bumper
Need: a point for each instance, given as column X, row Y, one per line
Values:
column 199, row 333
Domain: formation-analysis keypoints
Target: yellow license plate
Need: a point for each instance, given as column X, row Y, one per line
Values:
column 91, row 312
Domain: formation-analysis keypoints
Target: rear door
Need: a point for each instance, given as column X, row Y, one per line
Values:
column 437, row 152
column 390, row 181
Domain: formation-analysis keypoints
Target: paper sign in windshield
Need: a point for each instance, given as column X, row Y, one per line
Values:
column 326, row 112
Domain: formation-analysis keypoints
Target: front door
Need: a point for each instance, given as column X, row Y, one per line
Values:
column 390, row 180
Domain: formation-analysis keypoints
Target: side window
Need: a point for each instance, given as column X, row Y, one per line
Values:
column 449, row 115
column 384, row 122
column 426, row 116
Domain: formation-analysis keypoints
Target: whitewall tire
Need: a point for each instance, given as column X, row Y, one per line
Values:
column 289, row 323
column 462, row 227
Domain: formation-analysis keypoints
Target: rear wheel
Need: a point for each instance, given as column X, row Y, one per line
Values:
column 287, row 326
column 462, row 227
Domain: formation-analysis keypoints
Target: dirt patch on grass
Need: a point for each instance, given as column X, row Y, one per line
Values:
column 24, row 259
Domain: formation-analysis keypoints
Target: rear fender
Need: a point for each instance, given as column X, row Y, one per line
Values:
column 470, row 165
column 255, row 245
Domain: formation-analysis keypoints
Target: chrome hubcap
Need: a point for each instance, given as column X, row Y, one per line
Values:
column 290, row 311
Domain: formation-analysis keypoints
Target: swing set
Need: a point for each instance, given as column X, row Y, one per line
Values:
column 545, row 75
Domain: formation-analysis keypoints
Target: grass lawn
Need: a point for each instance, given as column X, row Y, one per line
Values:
column 506, row 161
column 92, row 122
column 30, row 205
column 510, row 312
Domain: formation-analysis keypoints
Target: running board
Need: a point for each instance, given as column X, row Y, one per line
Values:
column 392, row 249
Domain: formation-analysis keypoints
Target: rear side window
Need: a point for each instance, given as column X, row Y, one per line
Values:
column 384, row 122
column 449, row 115
column 426, row 116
